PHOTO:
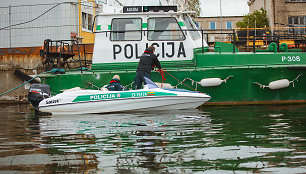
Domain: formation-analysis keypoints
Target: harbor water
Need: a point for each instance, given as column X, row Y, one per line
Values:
column 239, row 139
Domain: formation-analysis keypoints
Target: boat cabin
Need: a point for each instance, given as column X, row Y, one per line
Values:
column 123, row 37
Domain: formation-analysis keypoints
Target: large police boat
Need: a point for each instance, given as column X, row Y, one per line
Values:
column 275, row 75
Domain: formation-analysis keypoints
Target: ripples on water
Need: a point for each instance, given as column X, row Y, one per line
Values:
column 213, row 140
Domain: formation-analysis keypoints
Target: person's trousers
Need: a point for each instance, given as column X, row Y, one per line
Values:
column 139, row 78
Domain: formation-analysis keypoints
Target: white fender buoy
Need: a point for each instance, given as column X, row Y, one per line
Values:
column 279, row 84
column 164, row 85
column 209, row 82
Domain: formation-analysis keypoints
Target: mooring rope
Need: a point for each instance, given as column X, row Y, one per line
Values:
column 23, row 83
column 196, row 82
column 260, row 85
column 182, row 82
column 162, row 73
column 92, row 85
column 131, row 84
column 296, row 79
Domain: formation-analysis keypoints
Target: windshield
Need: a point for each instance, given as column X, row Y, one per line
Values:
column 150, row 84
column 164, row 28
column 191, row 26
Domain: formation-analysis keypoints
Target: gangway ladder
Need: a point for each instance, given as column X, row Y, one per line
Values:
column 85, row 60
column 85, row 53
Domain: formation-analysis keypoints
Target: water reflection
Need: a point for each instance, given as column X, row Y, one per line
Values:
column 24, row 149
column 214, row 140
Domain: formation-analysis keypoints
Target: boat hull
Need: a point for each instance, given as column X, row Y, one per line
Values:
column 240, row 88
column 137, row 101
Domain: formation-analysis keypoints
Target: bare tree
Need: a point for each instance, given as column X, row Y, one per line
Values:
column 189, row 5
column 193, row 5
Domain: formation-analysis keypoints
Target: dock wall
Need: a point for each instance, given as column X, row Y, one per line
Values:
column 26, row 58
column 29, row 61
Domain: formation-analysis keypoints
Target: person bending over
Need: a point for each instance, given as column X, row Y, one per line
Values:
column 147, row 62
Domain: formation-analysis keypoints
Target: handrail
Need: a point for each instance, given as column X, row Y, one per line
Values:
column 57, row 53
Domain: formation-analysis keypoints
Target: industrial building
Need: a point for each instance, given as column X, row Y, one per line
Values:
column 29, row 23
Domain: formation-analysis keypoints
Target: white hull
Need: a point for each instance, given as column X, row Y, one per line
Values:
column 163, row 100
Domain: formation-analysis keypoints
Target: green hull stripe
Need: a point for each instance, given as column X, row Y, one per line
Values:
column 133, row 65
column 120, row 95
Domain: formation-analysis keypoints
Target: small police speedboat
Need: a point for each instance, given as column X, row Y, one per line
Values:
column 80, row 101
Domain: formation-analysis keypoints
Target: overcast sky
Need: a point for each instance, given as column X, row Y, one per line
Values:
column 209, row 7
column 229, row 7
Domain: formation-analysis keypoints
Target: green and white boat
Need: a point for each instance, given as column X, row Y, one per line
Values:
column 79, row 101
column 276, row 75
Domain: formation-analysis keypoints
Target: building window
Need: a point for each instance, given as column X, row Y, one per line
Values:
column 164, row 28
column 212, row 25
column 298, row 24
column 228, row 25
column 87, row 21
column 90, row 22
column 126, row 29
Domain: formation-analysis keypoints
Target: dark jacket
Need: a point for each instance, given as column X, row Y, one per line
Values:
column 114, row 85
column 147, row 62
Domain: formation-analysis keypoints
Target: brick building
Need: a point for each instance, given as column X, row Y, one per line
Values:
column 283, row 13
column 214, row 25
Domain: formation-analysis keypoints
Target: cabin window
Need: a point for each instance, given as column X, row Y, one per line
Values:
column 191, row 26
column 165, row 28
column 126, row 29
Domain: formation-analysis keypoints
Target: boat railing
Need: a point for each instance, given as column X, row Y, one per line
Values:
column 58, row 53
column 298, row 43
column 257, row 39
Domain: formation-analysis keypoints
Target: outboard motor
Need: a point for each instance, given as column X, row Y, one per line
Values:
column 37, row 93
